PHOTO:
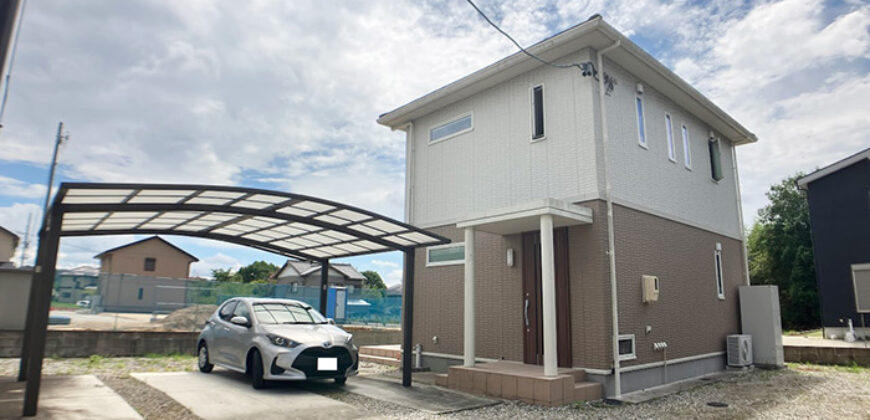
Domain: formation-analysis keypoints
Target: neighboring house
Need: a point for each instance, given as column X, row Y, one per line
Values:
column 152, row 256
column 144, row 276
column 307, row 274
column 8, row 245
column 839, row 202
column 73, row 285
column 519, row 151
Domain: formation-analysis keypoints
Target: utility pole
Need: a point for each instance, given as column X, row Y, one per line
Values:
column 26, row 240
column 58, row 140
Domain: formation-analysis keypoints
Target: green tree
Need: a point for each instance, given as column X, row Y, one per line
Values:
column 224, row 275
column 781, row 253
column 257, row 270
column 373, row 280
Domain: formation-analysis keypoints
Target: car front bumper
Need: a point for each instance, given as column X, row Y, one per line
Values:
column 300, row 363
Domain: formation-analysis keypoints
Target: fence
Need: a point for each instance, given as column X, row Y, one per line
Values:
column 364, row 306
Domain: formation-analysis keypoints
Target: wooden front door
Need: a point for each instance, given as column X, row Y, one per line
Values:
column 532, row 311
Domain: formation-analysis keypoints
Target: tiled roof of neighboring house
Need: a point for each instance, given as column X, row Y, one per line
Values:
column 305, row 268
column 146, row 240
column 15, row 237
column 834, row 167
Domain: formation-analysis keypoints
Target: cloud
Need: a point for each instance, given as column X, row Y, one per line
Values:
column 12, row 187
column 382, row 263
column 393, row 277
column 204, row 266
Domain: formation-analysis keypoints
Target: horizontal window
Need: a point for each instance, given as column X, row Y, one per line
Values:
column 452, row 128
column 449, row 254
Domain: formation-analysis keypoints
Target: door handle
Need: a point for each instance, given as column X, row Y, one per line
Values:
column 526, row 312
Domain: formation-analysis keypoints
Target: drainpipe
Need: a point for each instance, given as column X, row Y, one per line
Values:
column 740, row 211
column 409, row 156
column 611, row 248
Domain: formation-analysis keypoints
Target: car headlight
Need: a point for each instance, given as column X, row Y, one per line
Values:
column 281, row 341
column 349, row 338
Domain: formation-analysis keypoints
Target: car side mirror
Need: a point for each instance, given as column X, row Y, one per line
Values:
column 240, row 320
column 330, row 321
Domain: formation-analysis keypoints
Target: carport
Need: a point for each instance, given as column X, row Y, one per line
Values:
column 292, row 225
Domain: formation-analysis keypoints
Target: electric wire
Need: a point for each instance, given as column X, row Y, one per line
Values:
column 11, row 62
column 583, row 67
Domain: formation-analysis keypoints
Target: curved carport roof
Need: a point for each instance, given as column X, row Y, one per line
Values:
column 293, row 225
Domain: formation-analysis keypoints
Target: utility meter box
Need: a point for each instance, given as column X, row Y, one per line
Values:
column 650, row 288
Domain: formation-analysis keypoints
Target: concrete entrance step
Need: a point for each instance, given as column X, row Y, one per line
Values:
column 392, row 351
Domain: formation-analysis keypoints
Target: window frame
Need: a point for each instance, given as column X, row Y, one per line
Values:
column 469, row 114
column 153, row 261
column 533, row 115
column 669, row 134
column 443, row 263
column 719, row 271
column 687, row 146
column 633, row 354
column 640, row 120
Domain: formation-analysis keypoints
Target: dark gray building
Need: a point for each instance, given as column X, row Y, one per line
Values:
column 839, row 202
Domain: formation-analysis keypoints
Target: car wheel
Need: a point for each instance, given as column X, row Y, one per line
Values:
column 257, row 370
column 202, row 359
column 341, row 380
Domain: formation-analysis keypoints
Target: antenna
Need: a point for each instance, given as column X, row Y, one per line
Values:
column 58, row 140
column 26, row 240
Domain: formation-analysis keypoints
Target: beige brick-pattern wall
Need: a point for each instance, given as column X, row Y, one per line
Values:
column 688, row 315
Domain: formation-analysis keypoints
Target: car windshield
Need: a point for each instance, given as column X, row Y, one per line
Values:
column 286, row 313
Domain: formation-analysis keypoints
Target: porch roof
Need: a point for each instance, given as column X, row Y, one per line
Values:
column 525, row 217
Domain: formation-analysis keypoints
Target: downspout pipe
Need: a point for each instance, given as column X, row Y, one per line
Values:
column 740, row 212
column 608, row 196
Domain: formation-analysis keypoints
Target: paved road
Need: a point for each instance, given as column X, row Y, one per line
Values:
column 229, row 395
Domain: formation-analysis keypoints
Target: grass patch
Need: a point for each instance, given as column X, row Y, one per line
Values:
column 64, row 305
column 173, row 356
column 853, row 367
column 816, row 333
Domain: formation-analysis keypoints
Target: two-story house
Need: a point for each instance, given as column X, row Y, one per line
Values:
column 595, row 217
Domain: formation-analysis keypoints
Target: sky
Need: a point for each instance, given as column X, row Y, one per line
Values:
column 284, row 95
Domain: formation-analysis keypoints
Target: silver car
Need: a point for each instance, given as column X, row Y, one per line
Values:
column 276, row 339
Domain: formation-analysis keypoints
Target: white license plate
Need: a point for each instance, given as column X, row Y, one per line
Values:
column 327, row 363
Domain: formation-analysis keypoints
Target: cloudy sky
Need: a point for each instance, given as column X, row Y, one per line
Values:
column 284, row 95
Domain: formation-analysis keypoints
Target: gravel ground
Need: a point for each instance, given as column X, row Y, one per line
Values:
column 801, row 391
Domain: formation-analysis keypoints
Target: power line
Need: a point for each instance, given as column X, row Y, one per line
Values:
column 11, row 62
column 587, row 68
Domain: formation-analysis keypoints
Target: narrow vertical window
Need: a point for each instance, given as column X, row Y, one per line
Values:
column 715, row 159
column 537, row 112
column 720, row 283
column 141, row 291
column 669, row 128
column 150, row 264
column 687, row 151
column 641, row 126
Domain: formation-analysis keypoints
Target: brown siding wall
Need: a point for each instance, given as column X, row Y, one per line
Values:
column 439, row 292
column 688, row 315
column 131, row 260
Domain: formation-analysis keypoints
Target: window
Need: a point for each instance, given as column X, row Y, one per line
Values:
column 350, row 289
column 687, row 151
column 669, row 128
column 242, row 310
column 641, row 125
column 715, row 159
column 453, row 128
column 150, row 264
column 285, row 313
column 226, row 311
column 538, row 112
column 141, row 291
column 626, row 347
column 294, row 287
column 449, row 254
column 720, row 283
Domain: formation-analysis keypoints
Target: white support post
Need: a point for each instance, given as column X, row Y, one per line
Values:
column 548, row 292
column 468, row 351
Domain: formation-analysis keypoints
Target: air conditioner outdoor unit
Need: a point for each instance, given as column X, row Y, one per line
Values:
column 739, row 350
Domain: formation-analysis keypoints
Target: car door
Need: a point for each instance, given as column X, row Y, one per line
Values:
column 221, row 334
column 239, row 337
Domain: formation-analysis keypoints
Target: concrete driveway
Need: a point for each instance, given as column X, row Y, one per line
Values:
column 224, row 394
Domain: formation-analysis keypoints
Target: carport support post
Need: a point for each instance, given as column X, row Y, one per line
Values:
column 324, row 284
column 43, row 280
column 408, row 317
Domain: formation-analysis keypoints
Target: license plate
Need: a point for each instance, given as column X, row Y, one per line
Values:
column 327, row 363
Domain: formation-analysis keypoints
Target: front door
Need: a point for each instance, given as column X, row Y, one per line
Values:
column 533, row 321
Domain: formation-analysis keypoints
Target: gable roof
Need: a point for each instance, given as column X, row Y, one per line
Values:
column 15, row 238
column 109, row 251
column 834, row 167
column 594, row 33
column 306, row 268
